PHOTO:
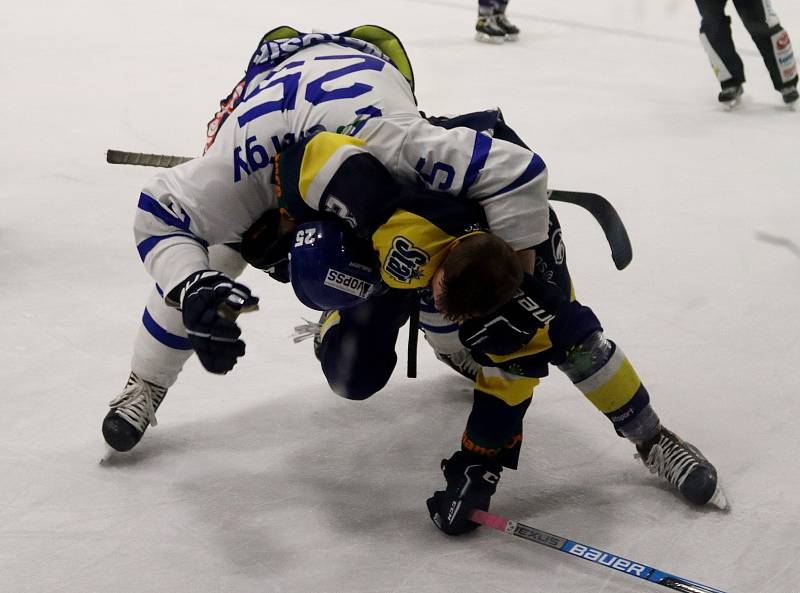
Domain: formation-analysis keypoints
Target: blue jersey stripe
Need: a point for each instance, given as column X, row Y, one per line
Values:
column 480, row 152
column 535, row 167
column 155, row 208
column 162, row 335
column 148, row 244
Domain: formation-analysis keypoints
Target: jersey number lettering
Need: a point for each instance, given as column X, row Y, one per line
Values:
column 314, row 93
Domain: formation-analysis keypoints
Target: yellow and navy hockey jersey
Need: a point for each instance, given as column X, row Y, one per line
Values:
column 412, row 230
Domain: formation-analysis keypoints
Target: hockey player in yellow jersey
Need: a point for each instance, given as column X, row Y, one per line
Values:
column 481, row 313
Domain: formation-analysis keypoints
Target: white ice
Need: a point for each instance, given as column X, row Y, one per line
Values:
column 265, row 481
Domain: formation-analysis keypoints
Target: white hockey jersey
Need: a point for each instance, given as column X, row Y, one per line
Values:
column 308, row 83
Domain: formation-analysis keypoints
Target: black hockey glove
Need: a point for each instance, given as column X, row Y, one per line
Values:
column 471, row 481
column 210, row 302
column 514, row 324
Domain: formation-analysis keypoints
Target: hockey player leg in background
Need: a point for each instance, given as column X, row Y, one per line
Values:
column 511, row 30
column 488, row 29
column 771, row 39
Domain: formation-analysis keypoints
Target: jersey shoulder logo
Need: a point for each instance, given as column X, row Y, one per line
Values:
column 404, row 261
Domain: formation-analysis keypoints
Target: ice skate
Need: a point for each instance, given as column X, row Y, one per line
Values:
column 488, row 30
column 131, row 413
column 511, row 30
column 683, row 466
column 731, row 96
column 790, row 96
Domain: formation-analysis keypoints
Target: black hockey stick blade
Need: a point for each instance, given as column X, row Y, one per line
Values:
column 123, row 157
column 605, row 214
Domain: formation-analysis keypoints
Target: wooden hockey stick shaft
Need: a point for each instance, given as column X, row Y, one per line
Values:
column 562, row 544
column 123, row 157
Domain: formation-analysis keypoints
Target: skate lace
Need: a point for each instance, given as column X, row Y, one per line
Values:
column 310, row 329
column 138, row 402
column 670, row 460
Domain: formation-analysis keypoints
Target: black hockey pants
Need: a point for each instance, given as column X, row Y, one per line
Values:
column 762, row 23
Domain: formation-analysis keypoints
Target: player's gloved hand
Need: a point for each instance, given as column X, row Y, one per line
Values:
column 514, row 324
column 471, row 481
column 210, row 302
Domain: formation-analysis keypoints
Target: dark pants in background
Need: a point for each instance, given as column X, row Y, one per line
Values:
column 770, row 38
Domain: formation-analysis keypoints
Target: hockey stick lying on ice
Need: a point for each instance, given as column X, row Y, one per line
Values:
column 562, row 544
column 602, row 210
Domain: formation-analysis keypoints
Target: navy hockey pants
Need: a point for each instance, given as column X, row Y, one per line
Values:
column 770, row 38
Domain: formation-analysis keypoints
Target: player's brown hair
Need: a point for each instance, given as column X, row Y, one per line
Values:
column 480, row 273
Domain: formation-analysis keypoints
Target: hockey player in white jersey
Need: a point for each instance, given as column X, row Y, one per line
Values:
column 360, row 83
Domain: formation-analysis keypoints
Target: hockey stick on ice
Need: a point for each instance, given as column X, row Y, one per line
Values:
column 562, row 544
column 605, row 214
column 597, row 205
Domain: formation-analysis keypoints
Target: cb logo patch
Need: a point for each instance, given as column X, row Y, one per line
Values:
column 405, row 261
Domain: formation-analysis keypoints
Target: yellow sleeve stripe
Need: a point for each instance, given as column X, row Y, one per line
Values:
column 323, row 156
column 511, row 389
column 539, row 343
column 616, row 391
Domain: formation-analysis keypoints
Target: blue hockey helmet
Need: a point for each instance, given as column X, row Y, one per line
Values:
column 331, row 268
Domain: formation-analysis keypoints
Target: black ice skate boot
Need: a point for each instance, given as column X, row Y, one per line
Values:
column 131, row 413
column 684, row 466
column 488, row 30
column 790, row 95
column 730, row 96
column 511, row 30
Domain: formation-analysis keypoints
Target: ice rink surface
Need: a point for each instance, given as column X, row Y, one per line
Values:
column 264, row 481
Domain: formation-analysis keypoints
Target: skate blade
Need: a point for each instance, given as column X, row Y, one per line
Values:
column 512, row 37
column 731, row 105
column 484, row 38
column 719, row 500
column 109, row 455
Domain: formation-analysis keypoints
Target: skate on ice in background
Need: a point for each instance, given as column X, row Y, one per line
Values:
column 488, row 30
column 493, row 25
column 731, row 96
